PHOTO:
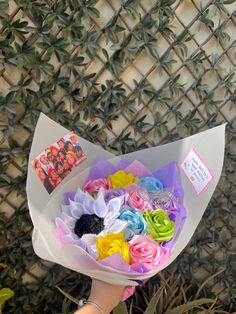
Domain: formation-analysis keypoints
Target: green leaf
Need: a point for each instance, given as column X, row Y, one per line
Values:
column 4, row 5
column 5, row 294
column 121, row 309
column 42, row 45
column 229, row 1
column 188, row 306
column 151, row 308
column 68, row 296
column 18, row 24
column 93, row 12
column 5, row 178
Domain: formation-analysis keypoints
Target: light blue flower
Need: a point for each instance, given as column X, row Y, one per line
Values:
column 151, row 184
column 136, row 222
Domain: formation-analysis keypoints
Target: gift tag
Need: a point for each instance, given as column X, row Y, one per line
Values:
column 196, row 171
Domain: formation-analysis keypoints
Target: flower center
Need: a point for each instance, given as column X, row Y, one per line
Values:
column 88, row 224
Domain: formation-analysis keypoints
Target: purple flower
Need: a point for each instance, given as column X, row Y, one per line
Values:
column 165, row 199
column 110, row 194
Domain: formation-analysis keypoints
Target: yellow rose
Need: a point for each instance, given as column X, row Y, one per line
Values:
column 113, row 243
column 121, row 179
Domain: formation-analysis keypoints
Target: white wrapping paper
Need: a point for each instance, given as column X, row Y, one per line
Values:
column 206, row 148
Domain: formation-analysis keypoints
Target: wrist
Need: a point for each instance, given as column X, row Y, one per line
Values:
column 103, row 304
column 107, row 296
column 88, row 308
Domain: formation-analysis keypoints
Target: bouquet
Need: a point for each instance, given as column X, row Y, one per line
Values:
column 121, row 219
column 125, row 213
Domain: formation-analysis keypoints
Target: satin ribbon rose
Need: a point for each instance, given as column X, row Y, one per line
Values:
column 93, row 186
column 159, row 226
column 145, row 252
column 139, row 199
column 121, row 179
column 151, row 184
column 136, row 223
column 113, row 243
column 110, row 194
column 165, row 199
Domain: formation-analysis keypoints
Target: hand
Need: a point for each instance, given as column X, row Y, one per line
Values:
column 105, row 295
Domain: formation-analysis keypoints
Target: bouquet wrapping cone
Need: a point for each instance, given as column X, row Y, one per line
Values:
column 206, row 149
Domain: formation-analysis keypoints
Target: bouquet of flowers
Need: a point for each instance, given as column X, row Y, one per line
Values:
column 122, row 219
column 125, row 213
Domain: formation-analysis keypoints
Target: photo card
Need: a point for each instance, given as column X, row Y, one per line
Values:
column 55, row 162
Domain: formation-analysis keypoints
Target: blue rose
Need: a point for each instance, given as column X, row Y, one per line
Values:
column 136, row 223
column 151, row 184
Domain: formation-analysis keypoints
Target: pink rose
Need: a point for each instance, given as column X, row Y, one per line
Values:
column 146, row 252
column 139, row 199
column 93, row 186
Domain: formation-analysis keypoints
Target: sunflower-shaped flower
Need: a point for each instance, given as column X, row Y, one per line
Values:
column 86, row 218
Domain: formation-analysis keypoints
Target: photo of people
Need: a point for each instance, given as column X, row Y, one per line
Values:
column 58, row 160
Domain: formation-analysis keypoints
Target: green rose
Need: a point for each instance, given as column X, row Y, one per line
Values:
column 160, row 227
